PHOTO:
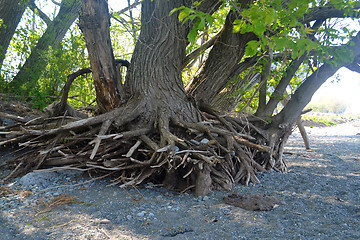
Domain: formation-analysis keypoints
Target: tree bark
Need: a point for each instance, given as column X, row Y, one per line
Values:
column 11, row 12
column 94, row 22
column 154, row 77
column 35, row 64
column 155, row 70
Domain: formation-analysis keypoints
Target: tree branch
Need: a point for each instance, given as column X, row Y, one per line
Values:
column 122, row 22
column 55, row 2
column 303, row 94
column 276, row 96
column 320, row 13
column 263, row 88
column 132, row 22
column 137, row 2
column 197, row 51
column 40, row 13
column 355, row 65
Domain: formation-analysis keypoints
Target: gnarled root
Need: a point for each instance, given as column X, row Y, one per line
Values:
column 212, row 154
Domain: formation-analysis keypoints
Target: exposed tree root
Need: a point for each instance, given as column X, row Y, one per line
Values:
column 212, row 154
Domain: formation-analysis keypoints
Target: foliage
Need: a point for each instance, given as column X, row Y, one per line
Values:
column 201, row 20
column 277, row 24
column 39, row 100
column 26, row 35
column 67, row 58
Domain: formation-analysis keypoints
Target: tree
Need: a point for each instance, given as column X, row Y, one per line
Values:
column 35, row 64
column 154, row 129
column 10, row 15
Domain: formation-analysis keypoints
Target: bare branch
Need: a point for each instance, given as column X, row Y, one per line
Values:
column 122, row 22
column 137, row 2
column 325, row 12
column 132, row 22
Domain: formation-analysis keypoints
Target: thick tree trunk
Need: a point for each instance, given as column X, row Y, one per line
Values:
column 94, row 22
column 11, row 12
column 35, row 64
column 154, row 77
column 155, row 70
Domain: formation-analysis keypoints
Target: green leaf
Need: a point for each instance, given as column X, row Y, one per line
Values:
column 260, row 29
column 175, row 10
column 184, row 13
column 237, row 25
column 270, row 17
column 201, row 25
column 192, row 35
column 209, row 19
column 251, row 48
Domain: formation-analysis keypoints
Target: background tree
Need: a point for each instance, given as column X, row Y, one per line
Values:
column 10, row 15
column 155, row 129
column 35, row 64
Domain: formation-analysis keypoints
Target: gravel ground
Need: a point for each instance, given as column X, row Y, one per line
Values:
column 321, row 192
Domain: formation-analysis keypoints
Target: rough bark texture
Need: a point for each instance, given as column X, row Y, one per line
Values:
column 11, row 12
column 155, row 70
column 94, row 22
column 32, row 69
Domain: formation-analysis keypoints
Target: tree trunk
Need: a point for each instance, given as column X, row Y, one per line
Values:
column 11, row 12
column 35, row 64
column 223, row 59
column 94, row 22
column 155, row 70
column 280, row 89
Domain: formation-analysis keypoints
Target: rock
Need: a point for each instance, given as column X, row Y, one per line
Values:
column 105, row 221
column 141, row 214
column 37, row 178
column 206, row 198
column 194, row 142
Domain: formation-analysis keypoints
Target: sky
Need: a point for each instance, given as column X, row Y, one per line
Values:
column 347, row 90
